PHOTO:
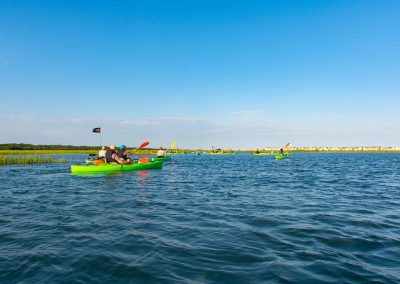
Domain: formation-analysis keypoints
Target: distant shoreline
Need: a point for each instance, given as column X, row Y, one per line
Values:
column 153, row 152
column 29, row 149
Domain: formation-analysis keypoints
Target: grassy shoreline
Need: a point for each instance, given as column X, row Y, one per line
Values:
column 25, row 160
column 64, row 152
column 153, row 151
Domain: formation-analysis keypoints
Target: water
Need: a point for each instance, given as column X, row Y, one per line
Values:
column 314, row 218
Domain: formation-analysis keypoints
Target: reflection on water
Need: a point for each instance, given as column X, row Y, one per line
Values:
column 143, row 175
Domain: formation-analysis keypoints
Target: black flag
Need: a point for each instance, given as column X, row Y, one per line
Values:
column 97, row 130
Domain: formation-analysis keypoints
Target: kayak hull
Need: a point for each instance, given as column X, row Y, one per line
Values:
column 166, row 158
column 107, row 168
column 280, row 157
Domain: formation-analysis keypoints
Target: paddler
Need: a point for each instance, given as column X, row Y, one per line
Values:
column 281, row 152
column 160, row 153
column 102, row 152
column 112, row 157
column 122, row 154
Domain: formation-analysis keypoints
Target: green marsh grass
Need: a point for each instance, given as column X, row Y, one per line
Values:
column 45, row 152
column 78, row 152
column 154, row 151
column 24, row 160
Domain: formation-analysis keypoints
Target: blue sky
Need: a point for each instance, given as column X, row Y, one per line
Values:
column 232, row 74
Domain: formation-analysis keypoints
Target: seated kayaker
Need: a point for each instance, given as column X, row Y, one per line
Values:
column 112, row 157
column 160, row 153
column 281, row 152
column 102, row 152
column 257, row 151
column 122, row 154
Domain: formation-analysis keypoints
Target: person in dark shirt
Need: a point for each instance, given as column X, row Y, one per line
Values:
column 112, row 157
column 123, row 154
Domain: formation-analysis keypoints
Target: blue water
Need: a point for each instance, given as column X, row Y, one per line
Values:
column 314, row 218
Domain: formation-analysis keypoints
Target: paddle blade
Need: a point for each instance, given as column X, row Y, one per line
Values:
column 173, row 145
column 287, row 145
column 144, row 144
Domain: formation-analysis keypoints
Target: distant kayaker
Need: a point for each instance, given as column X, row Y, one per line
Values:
column 257, row 151
column 160, row 153
column 281, row 152
column 122, row 154
column 102, row 152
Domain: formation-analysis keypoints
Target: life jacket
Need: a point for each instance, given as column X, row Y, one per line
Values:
column 109, row 158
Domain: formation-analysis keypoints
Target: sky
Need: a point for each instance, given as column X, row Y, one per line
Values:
column 229, row 74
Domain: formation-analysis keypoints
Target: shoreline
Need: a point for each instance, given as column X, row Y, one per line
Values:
column 185, row 151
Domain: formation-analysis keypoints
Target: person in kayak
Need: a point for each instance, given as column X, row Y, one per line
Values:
column 102, row 152
column 112, row 157
column 257, row 151
column 160, row 153
column 122, row 154
column 281, row 152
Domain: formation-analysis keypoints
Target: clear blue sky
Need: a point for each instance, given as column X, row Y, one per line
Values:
column 234, row 74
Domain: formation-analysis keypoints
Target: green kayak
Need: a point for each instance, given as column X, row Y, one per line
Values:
column 281, row 157
column 106, row 168
column 166, row 158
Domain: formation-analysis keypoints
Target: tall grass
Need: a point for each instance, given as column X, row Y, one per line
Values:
column 24, row 160
column 82, row 152
column 154, row 151
column 45, row 152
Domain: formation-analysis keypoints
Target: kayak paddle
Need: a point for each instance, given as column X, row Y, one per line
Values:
column 144, row 144
column 173, row 145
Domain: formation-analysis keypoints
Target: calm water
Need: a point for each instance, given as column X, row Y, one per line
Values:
column 314, row 218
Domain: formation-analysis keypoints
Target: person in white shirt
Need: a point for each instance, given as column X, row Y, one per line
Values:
column 102, row 152
column 161, row 153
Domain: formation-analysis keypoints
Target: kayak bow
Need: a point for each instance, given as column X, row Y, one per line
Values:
column 166, row 158
column 281, row 157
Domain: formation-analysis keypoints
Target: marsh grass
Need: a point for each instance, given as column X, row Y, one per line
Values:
column 45, row 152
column 78, row 152
column 24, row 160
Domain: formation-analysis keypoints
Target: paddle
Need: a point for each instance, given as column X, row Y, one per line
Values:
column 173, row 145
column 287, row 148
column 144, row 144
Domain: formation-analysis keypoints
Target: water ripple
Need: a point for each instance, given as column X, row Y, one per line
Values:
column 314, row 218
